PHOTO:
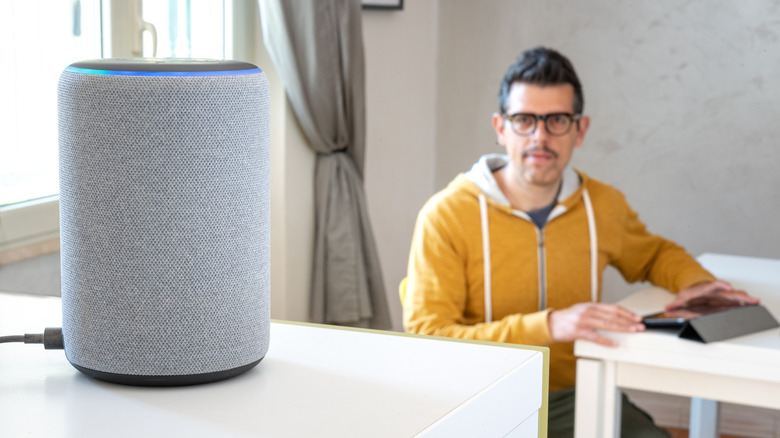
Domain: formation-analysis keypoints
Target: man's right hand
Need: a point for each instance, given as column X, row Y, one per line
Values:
column 581, row 321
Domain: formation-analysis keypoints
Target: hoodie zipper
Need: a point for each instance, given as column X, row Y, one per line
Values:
column 542, row 275
column 540, row 256
column 541, row 250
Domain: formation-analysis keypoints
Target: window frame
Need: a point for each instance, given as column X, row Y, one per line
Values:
column 28, row 223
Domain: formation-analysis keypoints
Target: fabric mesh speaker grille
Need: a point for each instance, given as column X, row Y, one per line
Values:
column 165, row 222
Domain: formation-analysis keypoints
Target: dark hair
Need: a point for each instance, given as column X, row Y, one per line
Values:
column 541, row 66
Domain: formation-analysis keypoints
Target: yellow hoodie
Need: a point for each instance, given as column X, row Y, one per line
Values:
column 532, row 271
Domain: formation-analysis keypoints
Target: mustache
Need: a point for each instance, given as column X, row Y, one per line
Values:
column 540, row 148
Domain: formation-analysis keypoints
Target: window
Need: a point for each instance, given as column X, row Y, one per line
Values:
column 38, row 40
column 188, row 28
column 42, row 37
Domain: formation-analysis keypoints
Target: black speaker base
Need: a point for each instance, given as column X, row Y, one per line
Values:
column 173, row 380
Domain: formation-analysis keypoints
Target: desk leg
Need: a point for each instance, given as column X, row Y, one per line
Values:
column 704, row 418
column 597, row 400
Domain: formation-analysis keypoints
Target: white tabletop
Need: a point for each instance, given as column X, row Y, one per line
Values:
column 755, row 356
column 315, row 381
column 740, row 370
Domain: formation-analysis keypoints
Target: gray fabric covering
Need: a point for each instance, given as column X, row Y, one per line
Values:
column 165, row 224
column 317, row 47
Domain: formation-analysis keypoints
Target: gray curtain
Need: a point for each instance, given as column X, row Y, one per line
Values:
column 317, row 47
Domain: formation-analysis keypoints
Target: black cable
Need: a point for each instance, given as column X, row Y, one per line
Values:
column 51, row 338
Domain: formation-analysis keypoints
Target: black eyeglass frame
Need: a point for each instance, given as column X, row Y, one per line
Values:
column 573, row 119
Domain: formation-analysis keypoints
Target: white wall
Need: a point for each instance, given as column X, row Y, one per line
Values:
column 682, row 95
column 400, row 52
column 292, row 179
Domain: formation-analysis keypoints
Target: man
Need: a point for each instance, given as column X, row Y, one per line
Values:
column 514, row 250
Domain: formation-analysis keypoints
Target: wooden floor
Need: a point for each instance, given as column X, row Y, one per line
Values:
column 736, row 421
column 683, row 433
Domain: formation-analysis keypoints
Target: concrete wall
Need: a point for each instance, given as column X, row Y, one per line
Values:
column 682, row 95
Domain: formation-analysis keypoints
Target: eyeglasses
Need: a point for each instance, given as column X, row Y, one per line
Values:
column 556, row 124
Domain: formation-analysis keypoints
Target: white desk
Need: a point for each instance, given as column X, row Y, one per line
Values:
column 743, row 370
column 315, row 381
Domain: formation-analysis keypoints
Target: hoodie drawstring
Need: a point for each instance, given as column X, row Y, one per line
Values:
column 594, row 250
column 486, row 257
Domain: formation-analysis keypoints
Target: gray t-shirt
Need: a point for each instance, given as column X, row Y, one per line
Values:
column 540, row 216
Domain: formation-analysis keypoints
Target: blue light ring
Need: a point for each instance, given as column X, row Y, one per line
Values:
column 162, row 73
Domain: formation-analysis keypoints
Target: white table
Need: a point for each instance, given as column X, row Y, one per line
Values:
column 743, row 370
column 315, row 381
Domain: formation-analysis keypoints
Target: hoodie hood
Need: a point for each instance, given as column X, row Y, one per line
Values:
column 481, row 174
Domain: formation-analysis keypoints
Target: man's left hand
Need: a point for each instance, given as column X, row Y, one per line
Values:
column 718, row 290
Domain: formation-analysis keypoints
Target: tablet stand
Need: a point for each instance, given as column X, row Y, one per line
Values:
column 728, row 324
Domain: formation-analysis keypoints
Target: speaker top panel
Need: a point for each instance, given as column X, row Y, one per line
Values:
column 162, row 67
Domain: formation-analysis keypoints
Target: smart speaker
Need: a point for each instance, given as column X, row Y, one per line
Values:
column 164, row 219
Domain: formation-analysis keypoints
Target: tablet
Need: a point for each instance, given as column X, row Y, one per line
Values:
column 706, row 305
column 663, row 320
